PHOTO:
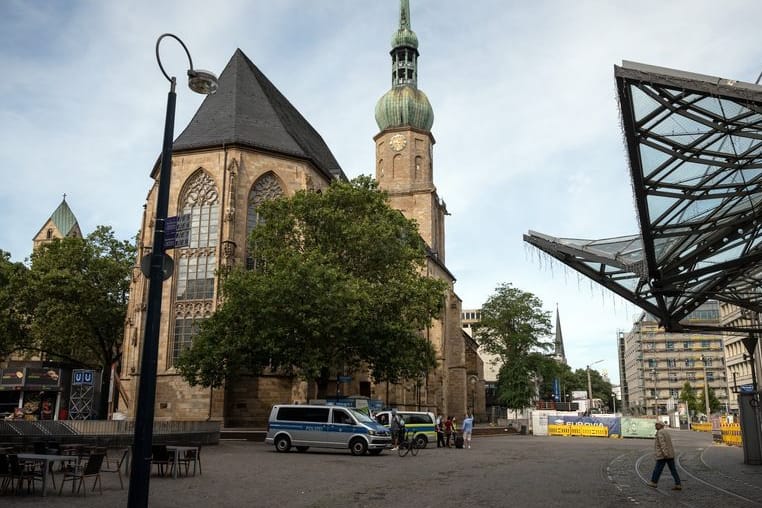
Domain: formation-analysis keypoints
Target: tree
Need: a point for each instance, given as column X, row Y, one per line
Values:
column 338, row 285
column 714, row 403
column 515, row 328
column 77, row 296
column 13, row 315
column 689, row 397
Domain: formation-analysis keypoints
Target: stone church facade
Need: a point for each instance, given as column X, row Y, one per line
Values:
column 247, row 144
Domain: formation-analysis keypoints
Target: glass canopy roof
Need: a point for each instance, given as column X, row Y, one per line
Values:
column 695, row 151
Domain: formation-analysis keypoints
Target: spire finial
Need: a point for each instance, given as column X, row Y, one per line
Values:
column 404, row 14
column 64, row 196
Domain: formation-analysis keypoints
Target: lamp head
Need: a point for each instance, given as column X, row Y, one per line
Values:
column 203, row 82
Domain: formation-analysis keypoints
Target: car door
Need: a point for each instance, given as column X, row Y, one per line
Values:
column 341, row 427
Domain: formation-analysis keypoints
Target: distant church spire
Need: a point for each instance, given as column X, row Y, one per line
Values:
column 559, row 343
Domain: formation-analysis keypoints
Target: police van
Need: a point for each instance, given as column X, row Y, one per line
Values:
column 421, row 423
column 303, row 426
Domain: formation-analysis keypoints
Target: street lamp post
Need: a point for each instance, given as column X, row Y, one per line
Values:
column 590, row 388
column 473, row 380
column 202, row 82
column 656, row 395
column 706, row 387
column 613, row 401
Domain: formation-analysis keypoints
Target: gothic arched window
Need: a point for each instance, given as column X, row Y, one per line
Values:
column 196, row 263
column 265, row 188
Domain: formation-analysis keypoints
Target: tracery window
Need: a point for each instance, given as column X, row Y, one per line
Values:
column 185, row 329
column 196, row 263
column 266, row 187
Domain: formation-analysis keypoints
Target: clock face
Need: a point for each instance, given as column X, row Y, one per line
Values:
column 397, row 142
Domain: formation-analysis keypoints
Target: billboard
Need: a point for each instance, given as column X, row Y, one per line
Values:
column 12, row 379
column 638, row 427
column 612, row 422
column 42, row 379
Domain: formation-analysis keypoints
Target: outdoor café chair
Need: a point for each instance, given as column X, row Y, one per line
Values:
column 19, row 474
column 5, row 472
column 115, row 465
column 189, row 456
column 163, row 460
column 91, row 469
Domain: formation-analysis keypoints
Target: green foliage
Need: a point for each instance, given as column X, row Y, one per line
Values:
column 13, row 315
column 714, row 403
column 77, row 297
column 337, row 283
column 690, row 398
column 573, row 381
column 515, row 328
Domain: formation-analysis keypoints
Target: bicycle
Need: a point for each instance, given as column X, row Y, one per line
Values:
column 409, row 444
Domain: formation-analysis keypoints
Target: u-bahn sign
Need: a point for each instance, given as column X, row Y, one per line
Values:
column 82, row 377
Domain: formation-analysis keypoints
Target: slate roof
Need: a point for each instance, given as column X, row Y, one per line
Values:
column 249, row 110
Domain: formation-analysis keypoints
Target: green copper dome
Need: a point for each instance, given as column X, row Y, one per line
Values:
column 405, row 37
column 404, row 106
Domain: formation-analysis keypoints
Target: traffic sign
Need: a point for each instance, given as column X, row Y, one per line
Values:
column 167, row 266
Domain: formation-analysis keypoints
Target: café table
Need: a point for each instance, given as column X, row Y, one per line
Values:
column 47, row 460
column 176, row 451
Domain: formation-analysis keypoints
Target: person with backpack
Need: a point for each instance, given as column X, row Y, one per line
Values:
column 394, row 426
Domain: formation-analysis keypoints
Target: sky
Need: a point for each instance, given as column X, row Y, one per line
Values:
column 526, row 119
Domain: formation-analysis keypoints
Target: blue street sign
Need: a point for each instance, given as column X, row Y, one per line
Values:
column 746, row 388
column 177, row 231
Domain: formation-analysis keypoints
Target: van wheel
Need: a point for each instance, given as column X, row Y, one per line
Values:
column 358, row 446
column 302, row 448
column 375, row 451
column 282, row 443
column 421, row 441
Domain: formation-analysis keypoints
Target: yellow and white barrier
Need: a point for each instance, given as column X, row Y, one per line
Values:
column 578, row 430
column 731, row 434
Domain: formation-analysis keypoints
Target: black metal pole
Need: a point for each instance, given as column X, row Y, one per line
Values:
column 141, row 453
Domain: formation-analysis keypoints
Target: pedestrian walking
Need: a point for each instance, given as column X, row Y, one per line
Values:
column 440, row 432
column 468, row 427
column 394, row 427
column 448, row 431
column 665, row 454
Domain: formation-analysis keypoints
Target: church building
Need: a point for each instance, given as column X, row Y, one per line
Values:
column 247, row 144
column 61, row 224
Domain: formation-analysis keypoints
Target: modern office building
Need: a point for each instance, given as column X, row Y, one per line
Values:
column 655, row 364
column 740, row 372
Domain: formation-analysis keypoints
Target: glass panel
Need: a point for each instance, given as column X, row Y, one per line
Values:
column 642, row 104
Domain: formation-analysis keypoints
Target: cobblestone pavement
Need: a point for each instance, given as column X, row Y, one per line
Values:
column 498, row 471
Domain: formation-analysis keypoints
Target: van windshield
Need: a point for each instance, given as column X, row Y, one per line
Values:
column 360, row 417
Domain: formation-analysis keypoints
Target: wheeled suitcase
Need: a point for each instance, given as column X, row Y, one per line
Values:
column 458, row 440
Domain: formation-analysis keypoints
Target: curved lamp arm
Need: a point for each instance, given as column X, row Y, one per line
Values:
column 200, row 81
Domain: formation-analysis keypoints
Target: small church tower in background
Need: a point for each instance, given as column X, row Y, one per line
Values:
column 61, row 224
column 558, row 349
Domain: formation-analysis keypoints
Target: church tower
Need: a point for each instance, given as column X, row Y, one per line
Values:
column 404, row 169
column 558, row 345
column 404, row 145
column 61, row 224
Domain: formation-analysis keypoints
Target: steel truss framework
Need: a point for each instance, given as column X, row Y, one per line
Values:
column 695, row 150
